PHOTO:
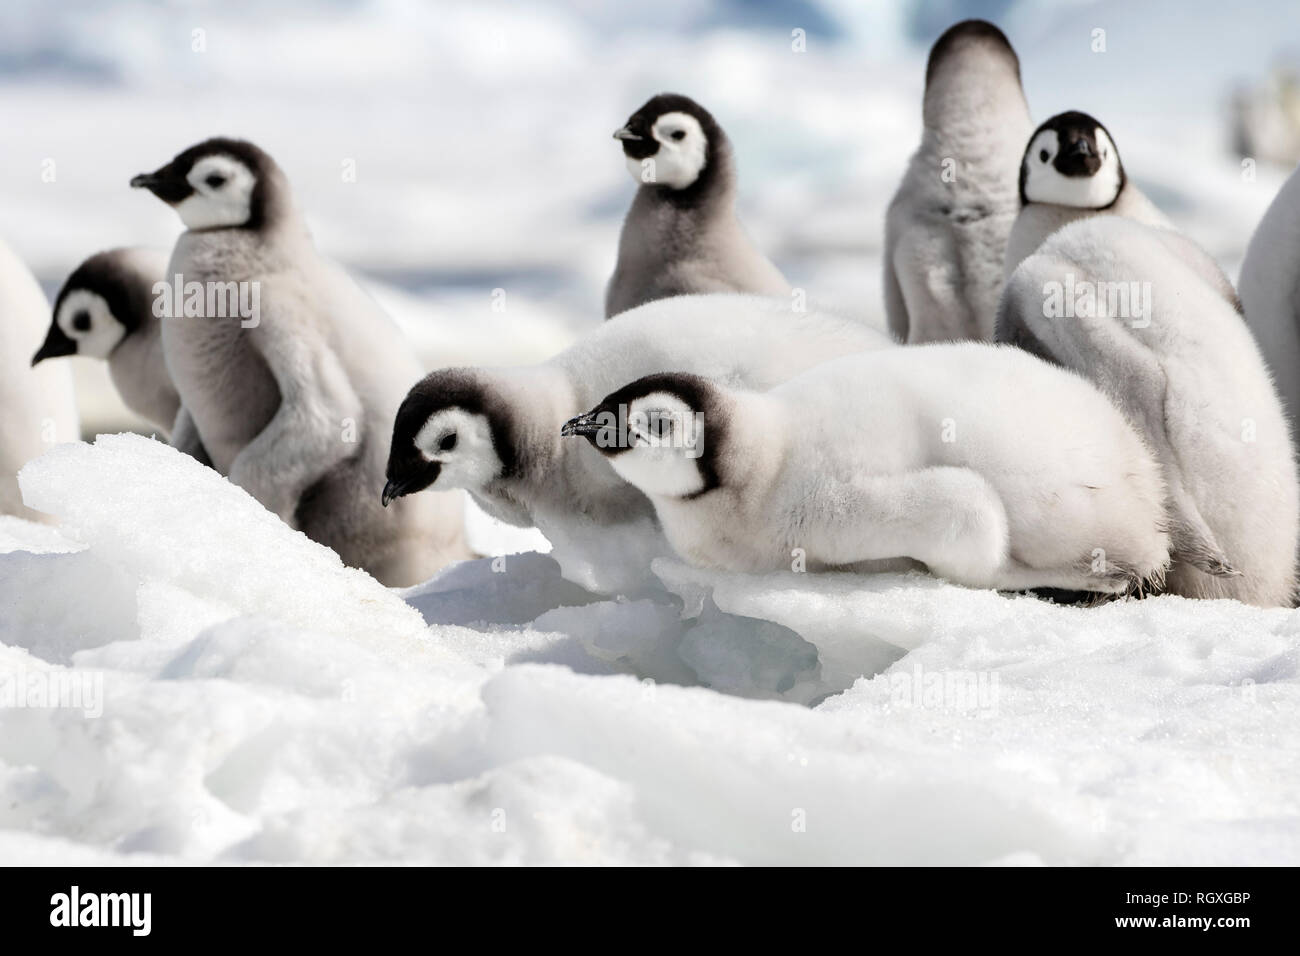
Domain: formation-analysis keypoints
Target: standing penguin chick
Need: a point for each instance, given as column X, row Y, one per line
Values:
column 990, row 468
column 947, row 226
column 1120, row 303
column 1269, row 287
column 1071, row 170
column 681, row 234
column 105, row 310
column 37, row 406
column 496, row 432
column 292, row 387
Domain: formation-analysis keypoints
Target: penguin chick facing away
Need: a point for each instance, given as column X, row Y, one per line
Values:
column 983, row 464
column 1140, row 320
column 947, row 226
column 293, row 403
column 105, row 310
column 681, row 234
column 1071, row 170
column 37, row 405
column 496, row 432
column 1270, row 291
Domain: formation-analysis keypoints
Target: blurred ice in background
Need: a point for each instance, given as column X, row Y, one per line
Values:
column 479, row 131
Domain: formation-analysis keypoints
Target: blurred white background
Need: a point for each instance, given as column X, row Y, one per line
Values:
column 479, row 131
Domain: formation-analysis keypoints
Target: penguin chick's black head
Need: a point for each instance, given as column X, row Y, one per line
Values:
column 1072, row 160
column 219, row 183
column 100, row 303
column 674, row 142
column 965, row 34
column 663, row 416
column 451, row 424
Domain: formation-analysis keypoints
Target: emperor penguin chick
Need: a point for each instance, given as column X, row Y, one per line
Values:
column 947, row 226
column 981, row 463
column 681, row 235
column 292, row 391
column 105, row 310
column 496, row 432
column 1120, row 303
column 37, row 405
column 1269, row 284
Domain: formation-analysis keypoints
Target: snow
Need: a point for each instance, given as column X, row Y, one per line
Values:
column 262, row 703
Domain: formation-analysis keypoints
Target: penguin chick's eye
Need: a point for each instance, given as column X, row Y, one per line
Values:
column 1042, row 154
column 215, row 180
column 447, row 443
column 678, row 134
column 81, row 321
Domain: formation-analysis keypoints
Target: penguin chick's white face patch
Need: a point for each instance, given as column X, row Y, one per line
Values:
column 223, row 193
column 665, row 439
column 683, row 148
column 1045, row 183
column 86, row 318
column 461, row 443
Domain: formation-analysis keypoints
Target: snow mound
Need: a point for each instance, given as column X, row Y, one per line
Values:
column 246, row 699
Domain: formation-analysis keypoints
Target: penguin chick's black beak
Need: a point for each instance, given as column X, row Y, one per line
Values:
column 584, row 426
column 165, row 183
column 400, row 487
column 626, row 133
column 56, row 344
column 1080, row 159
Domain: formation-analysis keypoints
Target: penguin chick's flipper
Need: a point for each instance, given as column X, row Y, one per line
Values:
column 931, row 293
column 185, row 437
column 1192, row 542
column 305, row 438
column 950, row 519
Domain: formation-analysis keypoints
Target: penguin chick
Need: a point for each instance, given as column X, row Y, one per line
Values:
column 37, row 405
column 1268, row 287
column 681, row 234
column 496, row 432
column 946, row 229
column 105, row 310
column 983, row 464
column 292, row 392
column 1119, row 302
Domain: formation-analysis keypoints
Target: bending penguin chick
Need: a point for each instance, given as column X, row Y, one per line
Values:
column 947, row 227
column 292, row 387
column 1119, row 302
column 1269, row 287
column 37, row 405
column 105, row 310
column 954, row 456
column 681, row 235
column 496, row 432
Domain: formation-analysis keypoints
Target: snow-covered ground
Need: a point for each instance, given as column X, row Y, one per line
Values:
column 244, row 698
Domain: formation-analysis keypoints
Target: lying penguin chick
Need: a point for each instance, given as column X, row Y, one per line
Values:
column 37, row 405
column 987, row 466
column 496, row 432
column 292, row 374
column 1118, row 302
column 947, row 226
column 1268, row 286
column 681, row 234
column 105, row 310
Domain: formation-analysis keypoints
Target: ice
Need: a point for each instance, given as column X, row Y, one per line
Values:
column 260, row 703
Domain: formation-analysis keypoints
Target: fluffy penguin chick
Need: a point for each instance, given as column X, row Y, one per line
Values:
column 105, row 310
column 293, row 400
column 1118, row 302
column 681, row 234
column 37, row 406
column 1071, row 170
column 947, row 226
column 496, row 432
column 990, row 468
column 1269, row 285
